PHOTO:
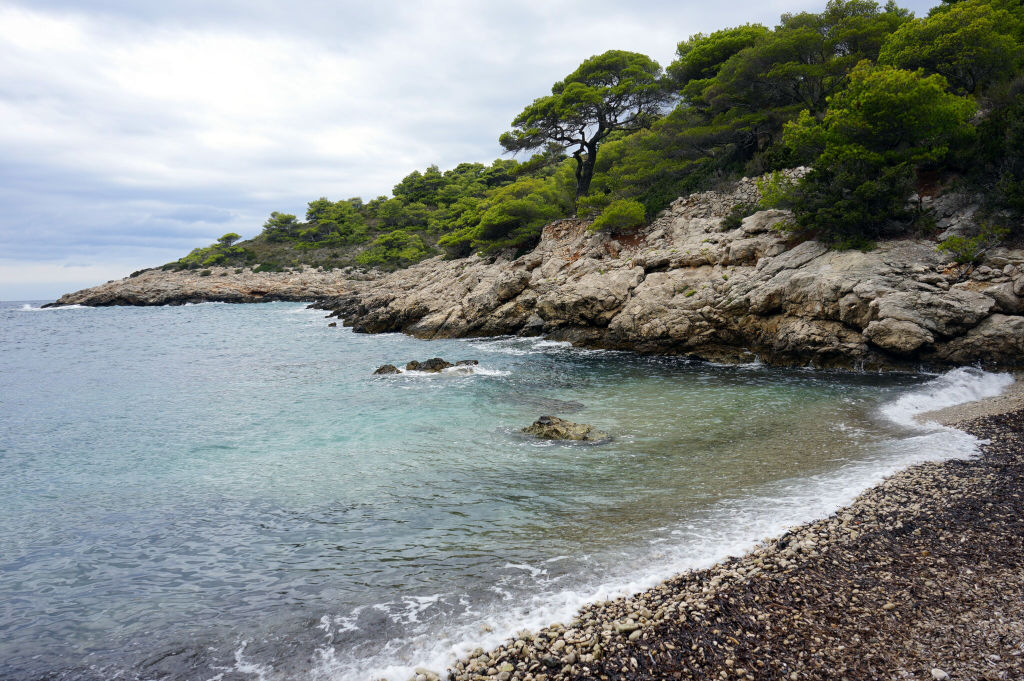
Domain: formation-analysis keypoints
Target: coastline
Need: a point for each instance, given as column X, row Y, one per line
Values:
column 919, row 578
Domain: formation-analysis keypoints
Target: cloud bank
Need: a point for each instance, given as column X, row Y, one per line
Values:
column 133, row 132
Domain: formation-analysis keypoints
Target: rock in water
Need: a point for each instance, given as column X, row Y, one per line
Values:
column 433, row 365
column 387, row 369
column 554, row 428
column 467, row 363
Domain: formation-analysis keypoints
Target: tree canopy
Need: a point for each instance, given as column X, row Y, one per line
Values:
column 614, row 91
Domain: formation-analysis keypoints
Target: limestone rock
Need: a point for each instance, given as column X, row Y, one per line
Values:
column 897, row 335
column 554, row 428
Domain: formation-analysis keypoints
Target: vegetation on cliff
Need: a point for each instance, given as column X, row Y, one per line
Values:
column 881, row 105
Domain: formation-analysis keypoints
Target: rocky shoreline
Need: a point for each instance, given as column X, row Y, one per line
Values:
column 221, row 284
column 711, row 278
column 704, row 281
column 922, row 577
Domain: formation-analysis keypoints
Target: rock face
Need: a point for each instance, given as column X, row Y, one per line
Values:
column 688, row 285
column 157, row 287
column 554, row 428
column 432, row 366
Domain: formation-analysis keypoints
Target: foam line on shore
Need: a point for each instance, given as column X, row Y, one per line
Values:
column 733, row 528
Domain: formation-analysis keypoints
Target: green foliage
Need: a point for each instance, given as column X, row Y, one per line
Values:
column 613, row 91
column 394, row 249
column 334, row 222
column 620, row 215
column 268, row 267
column 512, row 216
column 971, row 43
column 751, row 100
column 205, row 273
column 281, row 226
column 869, row 143
column 997, row 161
column 967, row 250
column 776, row 190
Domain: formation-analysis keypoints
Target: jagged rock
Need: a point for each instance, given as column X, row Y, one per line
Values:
column 467, row 363
column 387, row 369
column 433, row 365
column 554, row 428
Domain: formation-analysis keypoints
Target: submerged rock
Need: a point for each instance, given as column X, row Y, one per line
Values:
column 387, row 369
column 467, row 363
column 554, row 428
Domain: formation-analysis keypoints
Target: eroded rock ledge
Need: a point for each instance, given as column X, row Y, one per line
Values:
column 688, row 284
column 158, row 287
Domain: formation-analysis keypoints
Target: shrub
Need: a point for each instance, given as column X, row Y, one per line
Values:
column 620, row 215
column 968, row 250
column 205, row 273
column 268, row 267
column 394, row 249
column 776, row 190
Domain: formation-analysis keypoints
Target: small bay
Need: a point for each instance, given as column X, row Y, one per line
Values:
column 226, row 491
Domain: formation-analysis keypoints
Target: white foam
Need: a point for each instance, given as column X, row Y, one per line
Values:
column 28, row 308
column 463, row 370
column 732, row 528
column 959, row 386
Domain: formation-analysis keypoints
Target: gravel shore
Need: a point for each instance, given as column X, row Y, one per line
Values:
column 922, row 577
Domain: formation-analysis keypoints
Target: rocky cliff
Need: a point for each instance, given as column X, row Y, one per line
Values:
column 691, row 284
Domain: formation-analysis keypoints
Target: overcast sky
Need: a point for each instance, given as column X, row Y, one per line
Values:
column 132, row 131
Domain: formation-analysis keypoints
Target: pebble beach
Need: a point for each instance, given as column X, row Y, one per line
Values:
column 922, row 577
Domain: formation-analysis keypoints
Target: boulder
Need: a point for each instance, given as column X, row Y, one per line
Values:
column 386, row 369
column 554, row 428
column 433, row 365
column 467, row 363
column 897, row 335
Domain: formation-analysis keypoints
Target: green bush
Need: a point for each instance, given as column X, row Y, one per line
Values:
column 394, row 249
column 205, row 273
column 620, row 215
column 968, row 250
column 870, row 142
column 268, row 267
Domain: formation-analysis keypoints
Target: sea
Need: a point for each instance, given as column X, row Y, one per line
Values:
column 222, row 492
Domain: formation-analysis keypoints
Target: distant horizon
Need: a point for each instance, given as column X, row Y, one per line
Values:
column 135, row 133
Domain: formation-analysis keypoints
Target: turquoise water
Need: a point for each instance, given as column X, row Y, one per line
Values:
column 226, row 492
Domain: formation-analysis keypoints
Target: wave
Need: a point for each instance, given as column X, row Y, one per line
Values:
column 516, row 345
column 463, row 370
column 530, row 598
column 28, row 308
column 959, row 386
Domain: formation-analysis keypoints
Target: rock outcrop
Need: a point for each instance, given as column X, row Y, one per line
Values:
column 554, row 428
column 691, row 283
column 222, row 284
column 688, row 284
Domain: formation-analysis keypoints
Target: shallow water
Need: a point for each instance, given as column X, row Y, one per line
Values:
column 226, row 492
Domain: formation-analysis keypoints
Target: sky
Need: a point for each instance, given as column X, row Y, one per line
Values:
column 132, row 131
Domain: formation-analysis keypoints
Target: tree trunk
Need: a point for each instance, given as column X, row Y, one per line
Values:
column 584, row 172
